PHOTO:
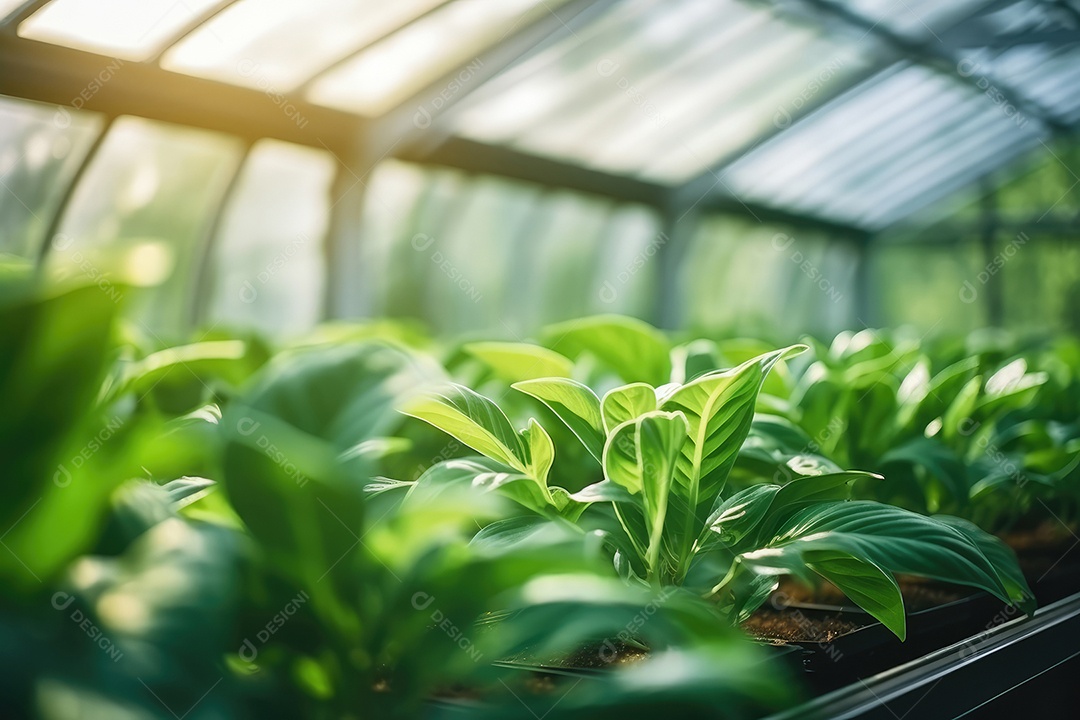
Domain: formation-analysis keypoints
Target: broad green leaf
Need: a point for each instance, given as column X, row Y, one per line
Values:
column 603, row 491
column 227, row 359
column 957, row 419
column 738, row 516
column 53, row 354
column 915, row 386
column 944, row 387
column 515, row 362
column 749, row 591
column 380, row 485
column 620, row 458
column 480, row 473
column 1011, row 386
column 868, row 586
column 627, row 403
column 376, row 448
column 541, row 452
column 475, row 421
column 345, row 394
column 514, row 533
column 659, row 439
column 895, row 540
column 186, row 490
column 818, row 488
column 1001, row 556
column 719, row 408
column 779, row 433
column 575, row 405
column 822, row 404
column 871, row 418
column 693, row 359
column 937, row 459
column 290, row 491
column 755, row 513
column 633, row 349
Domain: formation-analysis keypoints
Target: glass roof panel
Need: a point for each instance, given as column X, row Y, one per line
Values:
column 662, row 91
column 8, row 6
column 40, row 150
column 127, row 29
column 142, row 208
column 269, row 43
column 1045, row 74
column 538, row 91
column 268, row 269
column 916, row 19
column 906, row 133
column 385, row 74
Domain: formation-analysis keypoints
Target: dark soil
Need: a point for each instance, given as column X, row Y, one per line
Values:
column 1049, row 558
column 1049, row 537
column 607, row 654
column 794, row 626
column 1045, row 549
column 919, row 593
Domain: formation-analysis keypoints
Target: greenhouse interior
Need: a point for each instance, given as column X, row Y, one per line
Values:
column 539, row 359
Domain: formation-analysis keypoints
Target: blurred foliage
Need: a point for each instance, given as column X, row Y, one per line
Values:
column 200, row 544
column 667, row 453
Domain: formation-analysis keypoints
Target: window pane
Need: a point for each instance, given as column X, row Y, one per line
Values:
column 663, row 89
column 127, row 29
column 752, row 279
column 40, row 149
column 268, row 264
column 267, row 43
column 139, row 214
column 384, row 75
column 9, row 6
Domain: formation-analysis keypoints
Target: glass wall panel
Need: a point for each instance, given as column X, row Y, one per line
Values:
column 141, row 212
column 268, row 266
column 41, row 148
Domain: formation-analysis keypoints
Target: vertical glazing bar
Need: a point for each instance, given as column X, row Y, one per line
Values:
column 345, row 289
column 201, row 282
column 863, row 308
column 69, row 192
column 679, row 226
column 995, row 297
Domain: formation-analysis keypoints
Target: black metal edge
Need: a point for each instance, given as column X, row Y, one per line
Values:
column 977, row 670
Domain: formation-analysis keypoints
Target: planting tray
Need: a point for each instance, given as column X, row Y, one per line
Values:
column 871, row 648
column 987, row 675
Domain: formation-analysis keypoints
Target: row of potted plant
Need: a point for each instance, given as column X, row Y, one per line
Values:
column 367, row 521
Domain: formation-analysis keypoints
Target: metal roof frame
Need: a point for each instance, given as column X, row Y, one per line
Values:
column 57, row 75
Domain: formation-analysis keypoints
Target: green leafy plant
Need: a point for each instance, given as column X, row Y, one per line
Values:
column 666, row 454
column 947, row 434
column 281, row 591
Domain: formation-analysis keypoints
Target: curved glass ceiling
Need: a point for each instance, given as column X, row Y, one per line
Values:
column 855, row 112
